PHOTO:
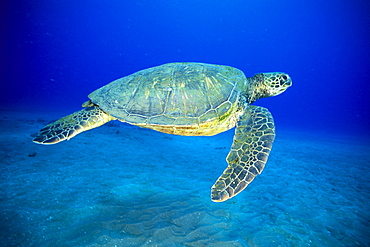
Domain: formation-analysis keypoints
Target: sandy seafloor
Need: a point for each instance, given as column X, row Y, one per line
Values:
column 120, row 185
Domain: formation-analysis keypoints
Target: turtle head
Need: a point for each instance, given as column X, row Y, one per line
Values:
column 268, row 84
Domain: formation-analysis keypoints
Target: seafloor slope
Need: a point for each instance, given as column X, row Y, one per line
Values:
column 120, row 185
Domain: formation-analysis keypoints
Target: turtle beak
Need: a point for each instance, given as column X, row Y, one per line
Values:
column 286, row 82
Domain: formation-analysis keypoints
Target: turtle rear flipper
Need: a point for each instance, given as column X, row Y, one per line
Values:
column 71, row 125
column 254, row 135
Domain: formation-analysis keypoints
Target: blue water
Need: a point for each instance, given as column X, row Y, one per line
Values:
column 116, row 186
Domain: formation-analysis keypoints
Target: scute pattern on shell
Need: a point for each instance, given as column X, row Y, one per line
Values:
column 174, row 93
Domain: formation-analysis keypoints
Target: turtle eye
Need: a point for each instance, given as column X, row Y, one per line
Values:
column 284, row 80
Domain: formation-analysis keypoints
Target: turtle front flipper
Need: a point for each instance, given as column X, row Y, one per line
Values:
column 254, row 135
column 71, row 125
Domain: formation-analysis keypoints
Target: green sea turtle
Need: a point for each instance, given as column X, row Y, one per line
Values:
column 190, row 99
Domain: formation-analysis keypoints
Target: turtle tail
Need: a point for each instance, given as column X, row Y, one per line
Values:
column 71, row 125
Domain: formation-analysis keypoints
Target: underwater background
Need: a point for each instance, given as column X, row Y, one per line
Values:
column 120, row 185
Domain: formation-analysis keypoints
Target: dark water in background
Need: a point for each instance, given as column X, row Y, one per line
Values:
column 53, row 53
column 115, row 186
